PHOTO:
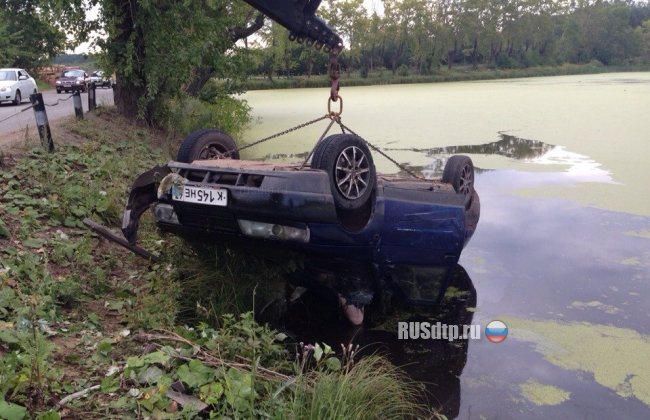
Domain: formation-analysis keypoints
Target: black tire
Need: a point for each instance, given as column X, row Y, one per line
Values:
column 350, row 168
column 207, row 143
column 459, row 172
column 472, row 215
column 58, row 91
column 18, row 99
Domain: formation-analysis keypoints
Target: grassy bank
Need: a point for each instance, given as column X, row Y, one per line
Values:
column 42, row 85
column 458, row 74
column 88, row 330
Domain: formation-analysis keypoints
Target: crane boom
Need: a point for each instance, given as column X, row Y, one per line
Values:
column 299, row 17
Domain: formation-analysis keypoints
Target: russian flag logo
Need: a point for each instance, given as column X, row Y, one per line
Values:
column 496, row 331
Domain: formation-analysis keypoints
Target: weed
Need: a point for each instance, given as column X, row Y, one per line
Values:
column 372, row 388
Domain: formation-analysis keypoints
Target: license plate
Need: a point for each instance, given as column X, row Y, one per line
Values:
column 201, row 195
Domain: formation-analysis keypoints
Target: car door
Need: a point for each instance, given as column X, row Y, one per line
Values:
column 24, row 85
column 30, row 84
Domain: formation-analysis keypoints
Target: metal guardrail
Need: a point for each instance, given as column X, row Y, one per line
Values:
column 40, row 115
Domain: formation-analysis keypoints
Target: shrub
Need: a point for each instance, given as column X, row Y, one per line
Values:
column 227, row 113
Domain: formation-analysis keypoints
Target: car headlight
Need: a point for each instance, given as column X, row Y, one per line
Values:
column 273, row 231
column 58, row 82
column 5, row 89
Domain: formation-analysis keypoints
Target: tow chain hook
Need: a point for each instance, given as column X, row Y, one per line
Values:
column 335, row 73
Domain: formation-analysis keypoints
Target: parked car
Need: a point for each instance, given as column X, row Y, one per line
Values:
column 337, row 207
column 72, row 79
column 101, row 80
column 15, row 85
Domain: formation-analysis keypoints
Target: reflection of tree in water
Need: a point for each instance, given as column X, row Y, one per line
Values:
column 315, row 317
column 509, row 146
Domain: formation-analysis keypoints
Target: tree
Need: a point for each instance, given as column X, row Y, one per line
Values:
column 9, row 43
column 158, row 48
column 34, row 31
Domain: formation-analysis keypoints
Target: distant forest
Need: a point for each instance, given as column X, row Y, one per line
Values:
column 424, row 36
column 87, row 61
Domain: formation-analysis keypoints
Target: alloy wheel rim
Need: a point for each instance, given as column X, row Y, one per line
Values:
column 352, row 172
column 466, row 180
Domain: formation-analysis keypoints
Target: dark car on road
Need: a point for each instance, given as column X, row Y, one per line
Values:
column 100, row 79
column 72, row 79
column 335, row 207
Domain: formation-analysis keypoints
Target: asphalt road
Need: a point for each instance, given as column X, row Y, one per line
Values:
column 64, row 108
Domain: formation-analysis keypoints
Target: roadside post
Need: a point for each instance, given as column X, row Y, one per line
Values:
column 41, row 121
column 92, row 102
column 76, row 99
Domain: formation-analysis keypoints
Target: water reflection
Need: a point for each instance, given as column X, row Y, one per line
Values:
column 437, row 363
column 576, row 167
column 509, row 146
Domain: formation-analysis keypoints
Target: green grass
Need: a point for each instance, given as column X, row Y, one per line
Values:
column 42, row 85
column 457, row 74
column 371, row 389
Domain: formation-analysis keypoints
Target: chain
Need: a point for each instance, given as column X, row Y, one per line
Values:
column 282, row 133
column 335, row 74
column 376, row 149
column 333, row 120
column 17, row 113
column 32, row 106
column 60, row 100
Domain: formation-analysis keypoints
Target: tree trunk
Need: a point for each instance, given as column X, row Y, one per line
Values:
column 129, row 90
column 201, row 77
column 475, row 54
column 125, row 97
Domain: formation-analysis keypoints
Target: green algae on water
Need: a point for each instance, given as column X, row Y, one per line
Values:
column 617, row 357
column 541, row 394
column 608, row 309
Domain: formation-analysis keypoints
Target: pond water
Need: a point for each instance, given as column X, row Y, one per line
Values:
column 561, row 253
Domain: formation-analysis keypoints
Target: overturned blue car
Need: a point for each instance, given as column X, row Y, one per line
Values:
column 334, row 206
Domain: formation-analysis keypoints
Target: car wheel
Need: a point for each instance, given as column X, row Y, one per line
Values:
column 472, row 215
column 351, row 170
column 459, row 172
column 18, row 99
column 58, row 91
column 207, row 143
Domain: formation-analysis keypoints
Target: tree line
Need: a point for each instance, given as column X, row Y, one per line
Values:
column 423, row 36
column 165, row 52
